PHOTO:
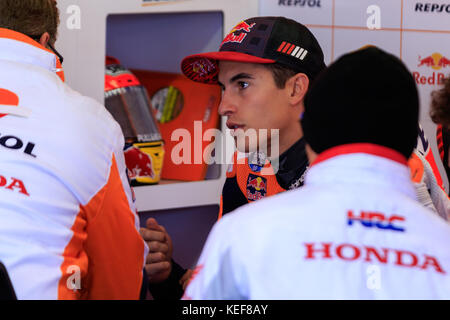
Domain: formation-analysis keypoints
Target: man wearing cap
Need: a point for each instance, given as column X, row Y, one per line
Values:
column 264, row 66
column 355, row 229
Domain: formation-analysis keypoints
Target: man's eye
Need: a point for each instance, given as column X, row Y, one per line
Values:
column 242, row 84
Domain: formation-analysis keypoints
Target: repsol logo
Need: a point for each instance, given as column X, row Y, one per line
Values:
column 15, row 143
column 300, row 3
column 432, row 7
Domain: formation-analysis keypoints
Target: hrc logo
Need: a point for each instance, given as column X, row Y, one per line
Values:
column 377, row 220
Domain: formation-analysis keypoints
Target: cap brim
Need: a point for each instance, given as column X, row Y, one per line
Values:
column 204, row 67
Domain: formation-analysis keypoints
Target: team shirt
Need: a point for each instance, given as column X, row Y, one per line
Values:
column 427, row 178
column 251, row 177
column 68, row 225
column 355, row 230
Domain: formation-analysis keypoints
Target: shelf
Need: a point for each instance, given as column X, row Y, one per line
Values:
column 177, row 195
column 155, row 38
column 170, row 194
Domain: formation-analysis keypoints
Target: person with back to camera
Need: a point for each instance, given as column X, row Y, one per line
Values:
column 355, row 229
column 264, row 66
column 68, row 226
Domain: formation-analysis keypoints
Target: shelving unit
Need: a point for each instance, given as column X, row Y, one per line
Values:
column 149, row 35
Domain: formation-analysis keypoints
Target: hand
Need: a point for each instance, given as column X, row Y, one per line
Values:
column 158, row 263
column 184, row 281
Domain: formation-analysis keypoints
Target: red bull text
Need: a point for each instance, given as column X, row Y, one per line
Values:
column 436, row 61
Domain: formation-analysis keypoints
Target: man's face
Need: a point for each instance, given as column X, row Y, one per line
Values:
column 251, row 100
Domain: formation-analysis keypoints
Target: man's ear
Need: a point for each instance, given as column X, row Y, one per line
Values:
column 297, row 87
column 45, row 38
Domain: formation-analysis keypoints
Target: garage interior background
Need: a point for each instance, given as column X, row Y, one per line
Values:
column 156, row 35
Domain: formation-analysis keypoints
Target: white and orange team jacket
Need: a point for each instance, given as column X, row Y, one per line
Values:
column 355, row 230
column 427, row 178
column 68, row 226
column 429, row 191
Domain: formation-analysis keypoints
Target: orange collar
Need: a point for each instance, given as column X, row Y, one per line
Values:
column 14, row 35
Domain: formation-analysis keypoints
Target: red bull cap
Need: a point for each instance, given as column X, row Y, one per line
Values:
column 260, row 40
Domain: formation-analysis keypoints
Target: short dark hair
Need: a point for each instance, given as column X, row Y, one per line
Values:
column 30, row 17
column 339, row 101
column 440, row 105
column 280, row 74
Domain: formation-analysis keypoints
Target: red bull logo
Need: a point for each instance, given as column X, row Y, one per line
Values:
column 257, row 183
column 244, row 26
column 242, row 29
column 428, row 61
column 435, row 61
column 256, row 187
column 139, row 163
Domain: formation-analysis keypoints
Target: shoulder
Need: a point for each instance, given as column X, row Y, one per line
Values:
column 88, row 114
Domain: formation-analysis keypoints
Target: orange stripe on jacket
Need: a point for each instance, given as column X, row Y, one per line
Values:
column 74, row 255
column 221, row 208
column 114, row 247
column 416, row 168
column 430, row 158
column 14, row 35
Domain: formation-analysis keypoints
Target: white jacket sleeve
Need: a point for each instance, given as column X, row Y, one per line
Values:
column 216, row 276
column 428, row 191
